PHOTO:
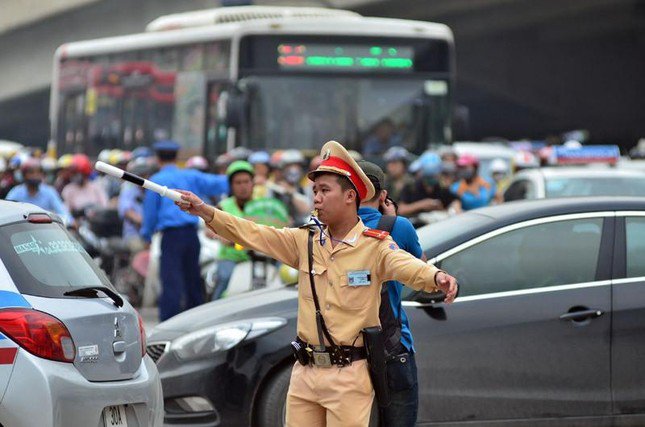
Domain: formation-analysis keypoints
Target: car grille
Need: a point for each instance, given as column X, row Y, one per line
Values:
column 157, row 349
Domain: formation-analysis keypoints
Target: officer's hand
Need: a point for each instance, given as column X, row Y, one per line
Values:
column 195, row 206
column 448, row 285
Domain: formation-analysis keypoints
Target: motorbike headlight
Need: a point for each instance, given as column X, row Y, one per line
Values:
column 223, row 337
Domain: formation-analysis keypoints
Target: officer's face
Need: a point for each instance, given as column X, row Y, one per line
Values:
column 330, row 200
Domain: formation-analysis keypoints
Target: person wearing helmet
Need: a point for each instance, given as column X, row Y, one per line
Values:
column 7, row 178
column 499, row 170
column 179, row 269
column 197, row 162
column 289, row 188
column 383, row 136
column 64, row 175
column 243, row 204
column 396, row 165
column 240, row 179
column 49, row 167
column 425, row 193
column 82, row 193
column 262, row 171
column 144, row 152
column 130, row 202
column 472, row 190
column 33, row 190
column 221, row 163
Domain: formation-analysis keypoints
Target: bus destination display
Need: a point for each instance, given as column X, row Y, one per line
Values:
column 316, row 57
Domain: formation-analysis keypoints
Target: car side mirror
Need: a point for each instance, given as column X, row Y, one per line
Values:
column 429, row 298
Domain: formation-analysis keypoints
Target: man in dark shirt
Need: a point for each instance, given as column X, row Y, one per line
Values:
column 426, row 194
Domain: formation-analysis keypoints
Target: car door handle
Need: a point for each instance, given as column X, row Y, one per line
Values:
column 580, row 315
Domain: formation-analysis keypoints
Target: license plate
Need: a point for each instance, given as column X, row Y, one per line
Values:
column 114, row 416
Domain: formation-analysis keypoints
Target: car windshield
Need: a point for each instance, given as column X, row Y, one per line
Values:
column 303, row 111
column 595, row 186
column 44, row 260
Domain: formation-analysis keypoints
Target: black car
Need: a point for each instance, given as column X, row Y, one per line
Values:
column 549, row 327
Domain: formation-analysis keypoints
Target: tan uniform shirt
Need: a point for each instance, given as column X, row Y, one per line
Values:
column 346, row 308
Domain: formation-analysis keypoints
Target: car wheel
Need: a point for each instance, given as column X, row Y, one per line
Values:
column 272, row 406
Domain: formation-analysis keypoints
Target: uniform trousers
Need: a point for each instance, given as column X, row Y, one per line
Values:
column 181, row 286
column 330, row 397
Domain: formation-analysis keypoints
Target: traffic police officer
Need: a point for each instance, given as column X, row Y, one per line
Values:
column 179, row 263
column 350, row 262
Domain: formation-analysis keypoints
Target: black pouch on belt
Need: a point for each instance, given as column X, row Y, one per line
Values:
column 376, row 360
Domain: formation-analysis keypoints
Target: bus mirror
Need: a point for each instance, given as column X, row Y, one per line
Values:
column 234, row 104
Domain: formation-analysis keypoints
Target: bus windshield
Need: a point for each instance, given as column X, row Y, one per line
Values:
column 368, row 114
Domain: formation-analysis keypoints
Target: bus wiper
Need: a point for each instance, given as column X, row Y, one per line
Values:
column 93, row 291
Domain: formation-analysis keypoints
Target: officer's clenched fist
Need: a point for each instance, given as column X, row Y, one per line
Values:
column 448, row 285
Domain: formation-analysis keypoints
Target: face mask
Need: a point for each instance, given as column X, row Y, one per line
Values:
column 32, row 182
column 293, row 175
column 17, row 175
column 466, row 174
column 78, row 179
column 430, row 180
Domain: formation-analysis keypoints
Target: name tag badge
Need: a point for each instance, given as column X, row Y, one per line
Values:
column 358, row 278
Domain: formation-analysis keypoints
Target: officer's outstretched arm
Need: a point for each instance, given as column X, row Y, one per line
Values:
column 396, row 264
column 277, row 243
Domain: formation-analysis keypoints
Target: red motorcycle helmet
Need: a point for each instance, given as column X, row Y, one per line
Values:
column 81, row 164
column 467, row 160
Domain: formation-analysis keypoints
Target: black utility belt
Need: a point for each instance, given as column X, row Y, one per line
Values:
column 343, row 355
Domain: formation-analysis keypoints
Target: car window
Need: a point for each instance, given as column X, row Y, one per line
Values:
column 551, row 254
column 519, row 190
column 595, row 186
column 44, row 260
column 635, row 229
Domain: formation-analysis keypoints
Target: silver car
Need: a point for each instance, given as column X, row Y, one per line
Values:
column 550, row 182
column 71, row 349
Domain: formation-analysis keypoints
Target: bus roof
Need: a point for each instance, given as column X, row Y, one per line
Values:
column 350, row 24
column 221, row 15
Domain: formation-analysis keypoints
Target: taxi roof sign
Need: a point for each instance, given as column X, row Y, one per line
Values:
column 587, row 154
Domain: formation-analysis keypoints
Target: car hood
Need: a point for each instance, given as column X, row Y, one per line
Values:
column 262, row 303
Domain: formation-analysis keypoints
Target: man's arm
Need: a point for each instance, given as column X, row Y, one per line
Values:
column 212, row 184
column 277, row 243
column 396, row 264
column 151, row 202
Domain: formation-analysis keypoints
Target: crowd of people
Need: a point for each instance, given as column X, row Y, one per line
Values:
column 271, row 188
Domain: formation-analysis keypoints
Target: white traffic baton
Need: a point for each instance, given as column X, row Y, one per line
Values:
column 162, row 190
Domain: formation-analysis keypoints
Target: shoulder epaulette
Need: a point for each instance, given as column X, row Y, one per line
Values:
column 377, row 234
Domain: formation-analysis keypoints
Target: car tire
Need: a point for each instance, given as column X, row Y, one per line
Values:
column 272, row 406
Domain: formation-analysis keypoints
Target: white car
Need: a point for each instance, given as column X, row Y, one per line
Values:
column 72, row 351
column 552, row 182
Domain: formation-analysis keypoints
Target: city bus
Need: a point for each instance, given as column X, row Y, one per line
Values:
column 266, row 78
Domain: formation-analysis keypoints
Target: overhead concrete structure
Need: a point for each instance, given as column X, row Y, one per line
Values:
column 525, row 68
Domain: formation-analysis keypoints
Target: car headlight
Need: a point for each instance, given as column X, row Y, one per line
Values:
column 223, row 337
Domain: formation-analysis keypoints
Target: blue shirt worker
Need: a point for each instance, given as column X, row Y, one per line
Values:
column 179, row 263
column 34, row 191
column 402, row 369
column 473, row 190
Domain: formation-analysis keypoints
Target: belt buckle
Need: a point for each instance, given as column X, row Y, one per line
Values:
column 322, row 359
